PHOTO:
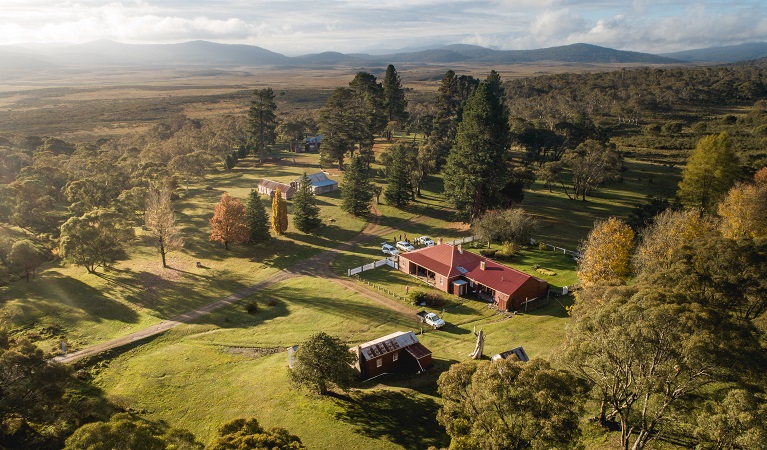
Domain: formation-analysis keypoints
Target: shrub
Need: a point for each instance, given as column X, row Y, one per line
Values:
column 489, row 252
column 272, row 302
column 251, row 307
column 431, row 299
column 508, row 250
column 541, row 246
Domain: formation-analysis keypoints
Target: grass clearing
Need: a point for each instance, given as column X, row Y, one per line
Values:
column 232, row 364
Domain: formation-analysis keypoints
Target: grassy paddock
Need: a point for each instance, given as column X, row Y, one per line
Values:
column 233, row 364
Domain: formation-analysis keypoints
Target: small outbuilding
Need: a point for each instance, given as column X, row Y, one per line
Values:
column 268, row 187
column 516, row 353
column 320, row 183
column 399, row 352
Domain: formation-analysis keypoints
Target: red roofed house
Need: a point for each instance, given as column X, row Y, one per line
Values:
column 399, row 352
column 452, row 270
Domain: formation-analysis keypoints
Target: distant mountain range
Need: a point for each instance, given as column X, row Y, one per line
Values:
column 203, row 53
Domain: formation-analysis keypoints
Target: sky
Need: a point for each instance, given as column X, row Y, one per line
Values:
column 296, row 27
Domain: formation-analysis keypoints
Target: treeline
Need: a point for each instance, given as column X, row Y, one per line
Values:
column 656, row 113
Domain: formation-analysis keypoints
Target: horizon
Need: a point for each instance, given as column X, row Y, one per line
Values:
column 372, row 27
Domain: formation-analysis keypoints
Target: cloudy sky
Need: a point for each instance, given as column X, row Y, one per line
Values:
column 294, row 27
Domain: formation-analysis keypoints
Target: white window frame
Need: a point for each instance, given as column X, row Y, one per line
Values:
column 395, row 357
column 379, row 362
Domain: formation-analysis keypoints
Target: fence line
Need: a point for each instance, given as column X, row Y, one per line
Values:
column 371, row 266
column 463, row 240
column 381, row 288
column 575, row 254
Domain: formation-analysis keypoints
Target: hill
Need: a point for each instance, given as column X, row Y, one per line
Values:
column 727, row 54
column 203, row 53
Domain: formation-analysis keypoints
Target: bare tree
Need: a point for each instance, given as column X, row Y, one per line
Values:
column 160, row 220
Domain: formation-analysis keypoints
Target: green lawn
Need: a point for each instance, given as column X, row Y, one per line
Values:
column 232, row 364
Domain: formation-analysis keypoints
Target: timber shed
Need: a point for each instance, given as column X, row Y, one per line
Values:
column 399, row 352
column 268, row 187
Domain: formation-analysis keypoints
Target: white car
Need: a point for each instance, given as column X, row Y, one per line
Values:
column 425, row 240
column 389, row 250
column 405, row 246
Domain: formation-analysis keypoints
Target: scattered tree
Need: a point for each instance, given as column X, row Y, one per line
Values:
column 127, row 431
column 592, row 163
column 647, row 352
column 606, row 253
column 160, row 220
column 256, row 219
column 27, row 256
column 94, row 239
column 279, row 213
column 744, row 212
column 306, row 213
column 33, row 390
column 189, row 166
column 733, row 423
column 670, row 231
column 322, row 361
column 509, row 225
column 356, row 190
column 249, row 434
column 712, row 169
column 509, row 405
column 228, row 222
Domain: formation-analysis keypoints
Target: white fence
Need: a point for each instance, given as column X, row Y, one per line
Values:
column 462, row 240
column 373, row 265
column 558, row 249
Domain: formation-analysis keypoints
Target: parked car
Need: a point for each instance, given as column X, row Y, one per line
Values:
column 431, row 319
column 425, row 241
column 389, row 250
column 405, row 246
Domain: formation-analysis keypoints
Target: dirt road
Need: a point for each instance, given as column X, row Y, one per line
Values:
column 317, row 266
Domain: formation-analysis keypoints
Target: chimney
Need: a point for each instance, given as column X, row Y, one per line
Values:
column 481, row 265
column 460, row 248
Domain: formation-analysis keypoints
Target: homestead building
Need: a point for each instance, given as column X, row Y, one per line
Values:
column 455, row 271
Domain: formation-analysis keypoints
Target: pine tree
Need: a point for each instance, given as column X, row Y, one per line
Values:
column 256, row 219
column 305, row 210
column 394, row 100
column 228, row 222
column 477, row 166
column 263, row 121
column 279, row 213
column 356, row 192
column 399, row 189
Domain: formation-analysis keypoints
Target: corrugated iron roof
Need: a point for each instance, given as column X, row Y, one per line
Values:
column 449, row 261
column 418, row 351
column 388, row 344
column 273, row 185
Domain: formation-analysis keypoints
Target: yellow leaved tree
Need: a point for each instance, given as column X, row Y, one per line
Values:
column 606, row 253
column 279, row 213
column 744, row 210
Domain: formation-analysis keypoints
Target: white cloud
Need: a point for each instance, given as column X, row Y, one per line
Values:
column 300, row 26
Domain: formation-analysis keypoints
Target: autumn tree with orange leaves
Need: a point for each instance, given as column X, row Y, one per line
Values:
column 228, row 222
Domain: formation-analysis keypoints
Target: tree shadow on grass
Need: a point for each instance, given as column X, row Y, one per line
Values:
column 407, row 420
column 73, row 301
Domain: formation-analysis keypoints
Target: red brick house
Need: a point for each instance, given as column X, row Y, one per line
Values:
column 455, row 271
column 399, row 352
